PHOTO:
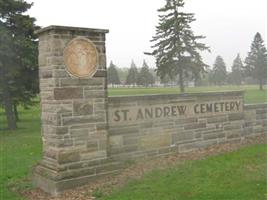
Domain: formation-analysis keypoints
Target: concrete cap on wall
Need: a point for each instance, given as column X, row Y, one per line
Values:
column 70, row 28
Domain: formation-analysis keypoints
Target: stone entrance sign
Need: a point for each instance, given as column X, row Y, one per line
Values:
column 72, row 71
column 81, row 57
column 87, row 134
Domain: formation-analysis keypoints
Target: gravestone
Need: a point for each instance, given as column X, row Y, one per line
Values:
column 73, row 93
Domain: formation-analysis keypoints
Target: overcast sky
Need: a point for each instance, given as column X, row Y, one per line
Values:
column 229, row 25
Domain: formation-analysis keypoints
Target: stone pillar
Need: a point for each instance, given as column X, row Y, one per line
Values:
column 73, row 92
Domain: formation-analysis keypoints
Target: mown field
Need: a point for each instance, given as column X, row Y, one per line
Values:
column 240, row 175
column 21, row 149
column 252, row 93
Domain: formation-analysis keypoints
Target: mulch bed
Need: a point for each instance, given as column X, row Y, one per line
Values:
column 137, row 171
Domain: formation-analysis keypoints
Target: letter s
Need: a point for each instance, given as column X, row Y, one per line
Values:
column 117, row 116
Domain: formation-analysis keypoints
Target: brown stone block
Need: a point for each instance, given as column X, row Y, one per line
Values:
column 183, row 136
column 55, row 60
column 68, row 93
column 78, row 173
column 65, row 82
column 45, row 74
column 79, row 133
column 93, row 155
column 214, row 136
column 51, row 119
column 217, row 119
column 94, row 94
column 116, row 141
column 261, row 111
column 124, row 130
column 236, row 116
column 68, row 157
column 92, row 146
column 261, row 116
column 232, row 126
column 123, row 150
column 109, row 167
column 157, row 141
column 61, row 73
column 64, row 143
column 195, row 126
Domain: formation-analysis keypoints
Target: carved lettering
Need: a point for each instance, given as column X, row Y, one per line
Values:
column 172, row 110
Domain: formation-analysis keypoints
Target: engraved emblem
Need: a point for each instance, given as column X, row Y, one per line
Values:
column 81, row 57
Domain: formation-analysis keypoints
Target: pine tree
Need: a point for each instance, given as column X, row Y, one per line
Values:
column 237, row 71
column 18, row 57
column 219, row 73
column 256, row 61
column 113, row 77
column 145, row 78
column 132, row 75
column 176, row 48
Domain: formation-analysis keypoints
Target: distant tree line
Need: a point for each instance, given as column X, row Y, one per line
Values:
column 133, row 76
column 253, row 70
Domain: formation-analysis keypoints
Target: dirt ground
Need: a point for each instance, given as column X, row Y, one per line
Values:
column 137, row 171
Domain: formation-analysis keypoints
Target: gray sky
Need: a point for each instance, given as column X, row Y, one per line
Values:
column 229, row 25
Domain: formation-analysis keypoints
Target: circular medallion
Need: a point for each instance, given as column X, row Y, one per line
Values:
column 81, row 57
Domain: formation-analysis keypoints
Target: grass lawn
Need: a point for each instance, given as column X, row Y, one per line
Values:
column 21, row 149
column 19, row 152
column 240, row 175
column 252, row 93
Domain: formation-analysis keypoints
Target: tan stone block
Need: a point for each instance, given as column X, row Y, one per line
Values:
column 116, row 140
column 155, row 141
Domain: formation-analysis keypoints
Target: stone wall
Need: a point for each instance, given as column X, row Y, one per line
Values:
column 87, row 135
column 153, row 125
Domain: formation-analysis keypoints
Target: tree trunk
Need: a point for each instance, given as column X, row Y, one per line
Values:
column 261, row 84
column 11, row 121
column 181, row 80
column 16, row 112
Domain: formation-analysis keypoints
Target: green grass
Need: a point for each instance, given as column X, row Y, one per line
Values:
column 19, row 152
column 240, row 175
column 21, row 149
column 252, row 93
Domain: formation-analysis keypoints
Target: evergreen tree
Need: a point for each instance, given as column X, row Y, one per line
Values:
column 113, row 77
column 145, row 78
column 18, row 57
column 256, row 61
column 237, row 71
column 176, row 48
column 165, row 80
column 219, row 73
column 132, row 75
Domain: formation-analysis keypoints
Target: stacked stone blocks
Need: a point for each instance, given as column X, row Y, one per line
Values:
column 74, row 114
